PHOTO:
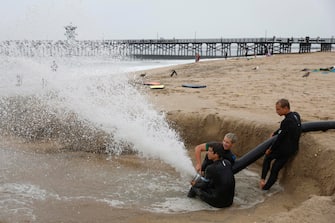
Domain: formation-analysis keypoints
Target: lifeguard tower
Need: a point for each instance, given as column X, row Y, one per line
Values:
column 71, row 43
column 70, row 32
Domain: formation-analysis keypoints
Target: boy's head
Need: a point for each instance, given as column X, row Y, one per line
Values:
column 216, row 151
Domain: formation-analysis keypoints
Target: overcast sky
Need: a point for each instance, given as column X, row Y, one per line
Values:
column 151, row 19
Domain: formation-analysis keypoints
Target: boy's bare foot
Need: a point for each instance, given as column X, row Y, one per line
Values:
column 261, row 184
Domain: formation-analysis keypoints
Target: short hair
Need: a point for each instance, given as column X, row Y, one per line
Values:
column 283, row 103
column 218, row 149
column 232, row 137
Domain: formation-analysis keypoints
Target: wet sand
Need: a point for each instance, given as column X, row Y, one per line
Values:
column 240, row 97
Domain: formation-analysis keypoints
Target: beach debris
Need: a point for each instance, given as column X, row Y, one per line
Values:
column 143, row 75
column 306, row 74
column 173, row 72
column 256, row 68
column 151, row 83
column 327, row 68
column 305, row 69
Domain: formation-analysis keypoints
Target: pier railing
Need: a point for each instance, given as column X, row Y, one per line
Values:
column 167, row 48
column 231, row 40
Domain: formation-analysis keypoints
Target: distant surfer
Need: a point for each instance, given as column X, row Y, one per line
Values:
column 54, row 66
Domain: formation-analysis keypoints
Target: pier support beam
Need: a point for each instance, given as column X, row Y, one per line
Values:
column 304, row 48
column 325, row 47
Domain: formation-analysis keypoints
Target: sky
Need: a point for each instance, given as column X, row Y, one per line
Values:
column 153, row 19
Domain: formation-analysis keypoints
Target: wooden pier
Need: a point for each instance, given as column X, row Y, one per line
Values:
column 167, row 48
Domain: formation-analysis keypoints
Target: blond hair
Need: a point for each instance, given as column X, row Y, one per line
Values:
column 232, row 137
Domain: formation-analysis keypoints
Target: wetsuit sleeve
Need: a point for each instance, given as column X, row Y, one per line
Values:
column 202, row 184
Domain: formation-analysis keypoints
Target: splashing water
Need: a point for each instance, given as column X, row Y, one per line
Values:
column 91, row 105
column 88, row 104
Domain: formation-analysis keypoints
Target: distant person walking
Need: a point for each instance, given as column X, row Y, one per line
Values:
column 284, row 147
column 18, row 80
column 197, row 57
column 246, row 51
column 54, row 66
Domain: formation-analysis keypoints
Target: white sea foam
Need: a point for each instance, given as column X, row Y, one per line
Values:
column 179, row 205
column 16, row 200
column 99, row 94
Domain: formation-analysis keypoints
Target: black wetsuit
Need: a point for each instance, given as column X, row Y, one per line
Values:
column 228, row 155
column 285, row 146
column 219, row 191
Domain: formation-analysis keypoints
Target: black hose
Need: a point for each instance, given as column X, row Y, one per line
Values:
column 256, row 153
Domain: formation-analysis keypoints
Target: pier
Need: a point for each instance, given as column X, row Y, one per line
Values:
column 167, row 48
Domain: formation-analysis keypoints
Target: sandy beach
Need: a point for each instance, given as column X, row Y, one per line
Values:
column 240, row 97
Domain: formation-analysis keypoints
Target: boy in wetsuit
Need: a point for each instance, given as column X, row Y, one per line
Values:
column 218, row 187
column 228, row 142
column 284, row 147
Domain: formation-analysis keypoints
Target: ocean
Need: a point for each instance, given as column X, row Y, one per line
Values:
column 82, row 133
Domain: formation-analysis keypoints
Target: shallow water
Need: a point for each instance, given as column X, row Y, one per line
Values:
column 127, row 182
